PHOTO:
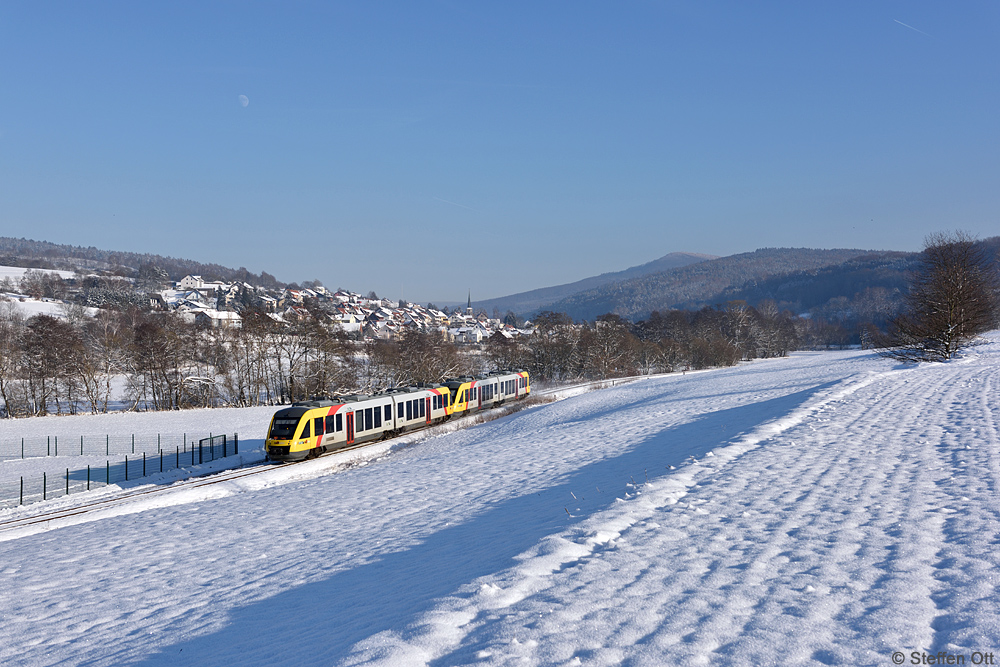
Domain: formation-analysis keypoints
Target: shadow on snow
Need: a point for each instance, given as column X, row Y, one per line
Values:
column 318, row 623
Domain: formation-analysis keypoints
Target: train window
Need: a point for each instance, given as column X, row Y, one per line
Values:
column 409, row 410
column 318, row 426
column 359, row 421
column 368, row 419
column 378, row 417
column 422, row 407
column 388, row 413
column 340, row 424
column 330, row 424
column 307, row 430
column 446, row 397
column 283, row 429
column 400, row 411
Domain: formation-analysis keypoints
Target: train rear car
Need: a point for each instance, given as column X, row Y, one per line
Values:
column 470, row 394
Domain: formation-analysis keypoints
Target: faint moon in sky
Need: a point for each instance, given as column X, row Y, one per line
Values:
column 244, row 100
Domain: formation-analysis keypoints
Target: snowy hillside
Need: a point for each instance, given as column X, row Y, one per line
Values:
column 830, row 508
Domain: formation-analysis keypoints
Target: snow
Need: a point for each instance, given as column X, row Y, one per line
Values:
column 16, row 272
column 829, row 508
column 30, row 307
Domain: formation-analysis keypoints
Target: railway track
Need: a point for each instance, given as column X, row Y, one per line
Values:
column 142, row 493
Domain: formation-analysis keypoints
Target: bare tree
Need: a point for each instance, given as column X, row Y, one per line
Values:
column 11, row 332
column 952, row 300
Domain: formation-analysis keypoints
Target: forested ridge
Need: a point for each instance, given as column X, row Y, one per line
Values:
column 698, row 285
column 44, row 255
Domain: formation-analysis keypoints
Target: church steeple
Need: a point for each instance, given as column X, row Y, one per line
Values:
column 468, row 307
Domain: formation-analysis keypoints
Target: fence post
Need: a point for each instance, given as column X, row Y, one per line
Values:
column 108, row 471
column 88, row 477
column 57, row 445
column 201, row 453
column 236, row 444
column 161, row 460
column 48, row 449
column 133, row 442
column 158, row 442
column 177, row 458
column 22, row 448
column 21, row 502
column 144, row 464
column 44, row 487
column 67, row 481
column 126, row 467
column 223, row 445
column 107, row 445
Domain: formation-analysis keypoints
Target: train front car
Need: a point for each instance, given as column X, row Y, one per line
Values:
column 290, row 437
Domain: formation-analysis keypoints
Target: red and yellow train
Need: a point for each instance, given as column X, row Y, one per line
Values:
column 310, row 428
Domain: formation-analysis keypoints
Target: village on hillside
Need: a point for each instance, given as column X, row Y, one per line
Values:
column 219, row 304
column 370, row 317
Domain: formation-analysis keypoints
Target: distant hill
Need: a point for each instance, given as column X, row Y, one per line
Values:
column 540, row 299
column 44, row 255
column 816, row 289
column 704, row 283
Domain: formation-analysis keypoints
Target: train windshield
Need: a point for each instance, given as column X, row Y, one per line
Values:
column 283, row 428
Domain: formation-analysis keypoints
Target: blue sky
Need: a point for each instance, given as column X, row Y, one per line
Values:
column 425, row 149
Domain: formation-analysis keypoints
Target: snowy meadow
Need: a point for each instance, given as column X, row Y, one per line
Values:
column 827, row 508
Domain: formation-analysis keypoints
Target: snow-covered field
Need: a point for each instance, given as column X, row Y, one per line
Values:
column 830, row 508
column 16, row 272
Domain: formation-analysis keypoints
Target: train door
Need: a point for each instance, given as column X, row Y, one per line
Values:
column 350, row 428
column 428, row 406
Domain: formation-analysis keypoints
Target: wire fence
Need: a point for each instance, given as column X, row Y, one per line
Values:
column 94, row 445
column 137, row 463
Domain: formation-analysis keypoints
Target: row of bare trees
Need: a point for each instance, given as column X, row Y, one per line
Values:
column 664, row 342
column 160, row 361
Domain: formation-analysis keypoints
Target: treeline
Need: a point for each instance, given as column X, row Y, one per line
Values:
column 138, row 360
column 159, row 361
column 663, row 343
